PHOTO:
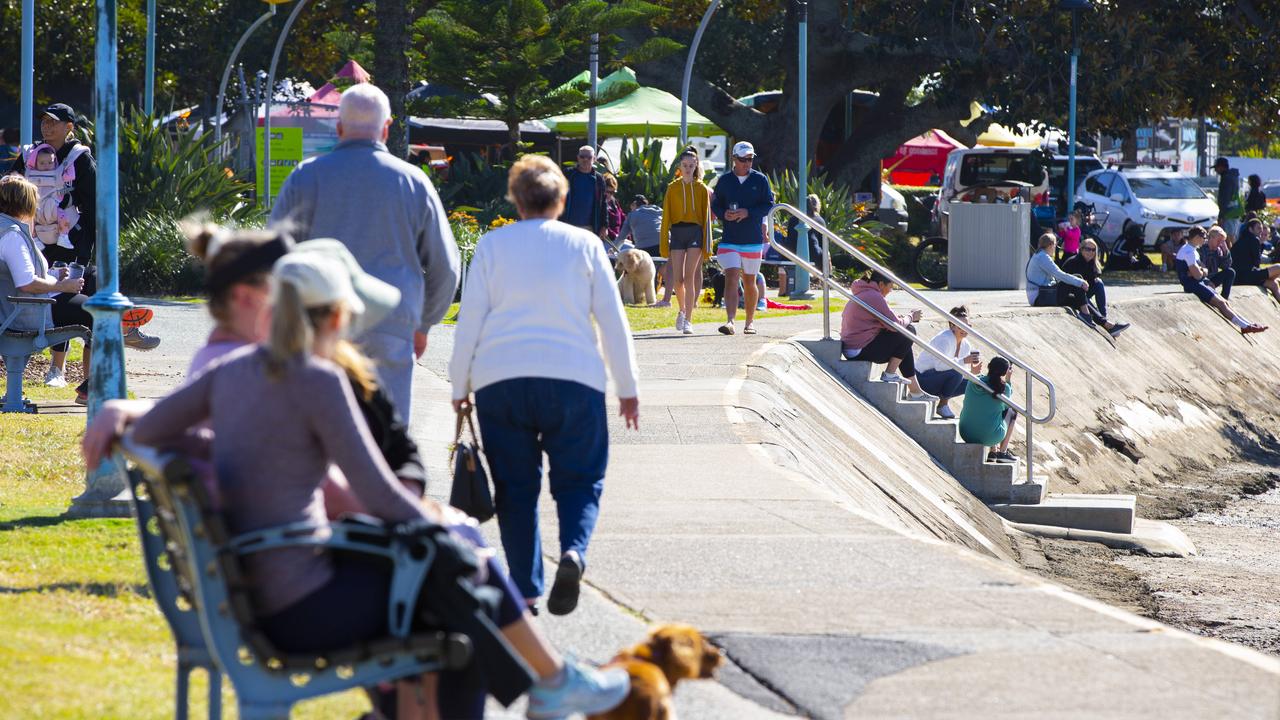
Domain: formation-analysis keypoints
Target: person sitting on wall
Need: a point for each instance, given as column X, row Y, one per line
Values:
column 1246, row 257
column 1048, row 286
column 1215, row 255
column 1195, row 280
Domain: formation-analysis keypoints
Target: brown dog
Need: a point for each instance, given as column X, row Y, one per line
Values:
column 672, row 653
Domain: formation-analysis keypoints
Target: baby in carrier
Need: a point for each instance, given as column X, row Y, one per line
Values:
column 55, row 216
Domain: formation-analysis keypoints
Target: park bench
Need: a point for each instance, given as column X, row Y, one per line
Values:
column 194, row 568
column 17, row 346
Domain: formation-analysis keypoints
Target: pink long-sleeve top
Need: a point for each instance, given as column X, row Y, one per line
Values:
column 857, row 326
column 275, row 440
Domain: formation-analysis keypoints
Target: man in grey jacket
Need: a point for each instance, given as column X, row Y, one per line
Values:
column 388, row 214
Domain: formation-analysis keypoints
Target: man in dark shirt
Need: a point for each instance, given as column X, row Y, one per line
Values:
column 57, row 129
column 584, row 207
column 1246, row 257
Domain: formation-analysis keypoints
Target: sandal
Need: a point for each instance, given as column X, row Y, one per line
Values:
column 748, row 330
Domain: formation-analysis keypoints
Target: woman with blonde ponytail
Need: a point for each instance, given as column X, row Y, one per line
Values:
column 685, row 236
column 281, row 414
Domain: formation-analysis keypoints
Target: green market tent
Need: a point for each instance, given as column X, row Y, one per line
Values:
column 647, row 110
column 623, row 78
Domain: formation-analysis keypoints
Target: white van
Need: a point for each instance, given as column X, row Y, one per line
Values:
column 1004, row 173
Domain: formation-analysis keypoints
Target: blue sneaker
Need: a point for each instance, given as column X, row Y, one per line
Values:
column 579, row 689
column 762, row 305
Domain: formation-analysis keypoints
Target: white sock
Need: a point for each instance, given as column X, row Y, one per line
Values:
column 1241, row 322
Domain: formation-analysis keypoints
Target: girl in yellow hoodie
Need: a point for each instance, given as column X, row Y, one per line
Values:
column 685, row 236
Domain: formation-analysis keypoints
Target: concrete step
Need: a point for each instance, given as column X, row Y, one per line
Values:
column 1104, row 513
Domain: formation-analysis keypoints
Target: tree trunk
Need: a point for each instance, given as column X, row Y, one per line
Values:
column 391, row 68
column 513, row 137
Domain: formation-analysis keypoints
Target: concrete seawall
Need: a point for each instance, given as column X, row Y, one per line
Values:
column 1183, row 388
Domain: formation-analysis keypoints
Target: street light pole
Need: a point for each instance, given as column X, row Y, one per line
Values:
column 688, row 71
column 226, row 72
column 1075, row 6
column 595, row 80
column 149, row 92
column 266, row 119
column 28, row 70
column 801, row 291
column 105, row 492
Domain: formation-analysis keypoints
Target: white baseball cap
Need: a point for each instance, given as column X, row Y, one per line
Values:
column 744, row 149
column 319, row 279
column 379, row 298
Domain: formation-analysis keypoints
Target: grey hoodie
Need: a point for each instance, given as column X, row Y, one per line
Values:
column 644, row 224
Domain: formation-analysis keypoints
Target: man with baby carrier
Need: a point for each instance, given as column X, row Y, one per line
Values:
column 63, row 170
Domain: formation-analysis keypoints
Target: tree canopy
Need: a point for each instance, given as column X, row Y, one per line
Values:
column 477, row 48
column 927, row 62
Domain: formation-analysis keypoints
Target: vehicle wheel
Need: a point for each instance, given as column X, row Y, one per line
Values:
column 931, row 262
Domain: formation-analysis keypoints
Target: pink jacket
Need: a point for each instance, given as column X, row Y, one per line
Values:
column 857, row 326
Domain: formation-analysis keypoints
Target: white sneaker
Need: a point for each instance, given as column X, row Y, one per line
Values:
column 680, row 322
column 688, row 327
column 893, row 378
column 55, row 378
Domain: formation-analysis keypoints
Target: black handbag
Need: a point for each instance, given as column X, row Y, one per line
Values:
column 470, row 493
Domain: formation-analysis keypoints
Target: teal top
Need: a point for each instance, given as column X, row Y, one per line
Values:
column 982, row 417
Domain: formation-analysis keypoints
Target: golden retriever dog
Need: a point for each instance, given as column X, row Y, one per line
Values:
column 636, row 283
column 672, row 653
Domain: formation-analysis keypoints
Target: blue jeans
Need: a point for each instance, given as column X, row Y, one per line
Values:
column 943, row 383
column 1098, row 294
column 1231, row 227
column 520, row 419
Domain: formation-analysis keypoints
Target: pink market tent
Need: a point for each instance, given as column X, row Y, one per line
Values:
column 329, row 93
column 921, row 160
column 318, row 114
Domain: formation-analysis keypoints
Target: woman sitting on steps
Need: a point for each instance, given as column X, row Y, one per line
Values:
column 867, row 338
column 985, row 419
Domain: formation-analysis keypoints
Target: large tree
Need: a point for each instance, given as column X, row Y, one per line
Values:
column 504, row 49
column 193, row 41
column 928, row 61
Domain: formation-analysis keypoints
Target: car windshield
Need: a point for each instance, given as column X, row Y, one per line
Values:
column 1165, row 188
column 999, row 168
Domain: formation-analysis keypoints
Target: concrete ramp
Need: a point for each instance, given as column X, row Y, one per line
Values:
column 822, row 430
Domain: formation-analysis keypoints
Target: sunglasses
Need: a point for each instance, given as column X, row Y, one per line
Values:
column 1088, row 250
column 744, row 159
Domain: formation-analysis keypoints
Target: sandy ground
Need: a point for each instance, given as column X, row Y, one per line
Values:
column 1230, row 590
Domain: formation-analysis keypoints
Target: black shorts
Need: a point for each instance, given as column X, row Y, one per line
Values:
column 686, row 236
column 1256, row 276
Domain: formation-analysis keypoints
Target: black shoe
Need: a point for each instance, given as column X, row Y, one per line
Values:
column 564, row 593
column 1003, row 457
column 1117, row 329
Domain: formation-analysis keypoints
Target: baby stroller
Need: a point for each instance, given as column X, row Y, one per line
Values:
column 1127, row 250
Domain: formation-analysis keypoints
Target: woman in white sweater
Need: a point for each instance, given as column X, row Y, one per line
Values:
column 526, row 345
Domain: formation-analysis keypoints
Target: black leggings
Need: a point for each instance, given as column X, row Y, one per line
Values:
column 66, row 312
column 1068, row 296
column 887, row 345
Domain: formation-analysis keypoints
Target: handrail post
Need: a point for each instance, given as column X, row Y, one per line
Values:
column 826, row 288
column 1027, row 421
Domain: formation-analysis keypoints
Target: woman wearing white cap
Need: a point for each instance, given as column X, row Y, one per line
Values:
column 287, row 394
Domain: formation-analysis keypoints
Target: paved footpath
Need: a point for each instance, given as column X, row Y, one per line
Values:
column 824, row 612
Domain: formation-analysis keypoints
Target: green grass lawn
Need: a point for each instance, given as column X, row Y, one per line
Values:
column 80, row 636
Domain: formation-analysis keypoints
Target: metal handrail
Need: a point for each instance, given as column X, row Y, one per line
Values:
column 1027, row 411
